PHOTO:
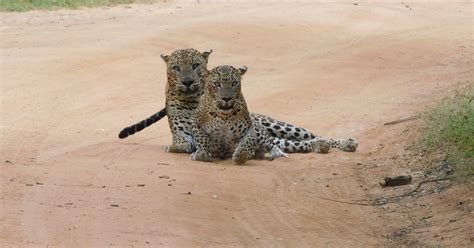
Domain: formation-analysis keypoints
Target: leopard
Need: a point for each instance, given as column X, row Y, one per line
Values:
column 222, row 126
column 186, row 69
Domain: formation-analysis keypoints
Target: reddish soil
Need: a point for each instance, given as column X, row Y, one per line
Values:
column 72, row 79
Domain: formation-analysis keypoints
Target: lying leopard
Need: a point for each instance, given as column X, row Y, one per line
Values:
column 186, row 69
column 222, row 125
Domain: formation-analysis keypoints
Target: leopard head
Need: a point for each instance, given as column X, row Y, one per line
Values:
column 186, row 69
column 223, row 85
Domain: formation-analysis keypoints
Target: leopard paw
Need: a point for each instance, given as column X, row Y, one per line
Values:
column 321, row 146
column 201, row 155
column 276, row 152
column 241, row 156
column 181, row 148
column 349, row 145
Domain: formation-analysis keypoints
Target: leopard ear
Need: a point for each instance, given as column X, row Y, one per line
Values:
column 206, row 55
column 243, row 70
column 165, row 57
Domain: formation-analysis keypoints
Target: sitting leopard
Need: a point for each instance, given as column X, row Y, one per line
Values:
column 185, row 71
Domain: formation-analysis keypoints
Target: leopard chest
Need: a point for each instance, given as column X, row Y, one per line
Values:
column 225, row 134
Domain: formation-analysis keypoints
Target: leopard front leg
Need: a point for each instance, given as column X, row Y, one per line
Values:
column 246, row 147
column 183, row 142
column 202, row 145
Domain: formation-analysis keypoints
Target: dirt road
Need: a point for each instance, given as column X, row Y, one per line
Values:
column 72, row 79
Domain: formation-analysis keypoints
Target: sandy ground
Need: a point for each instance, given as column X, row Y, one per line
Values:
column 72, row 79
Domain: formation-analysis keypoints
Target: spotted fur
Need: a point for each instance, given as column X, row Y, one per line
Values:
column 291, row 138
column 186, row 69
column 222, row 126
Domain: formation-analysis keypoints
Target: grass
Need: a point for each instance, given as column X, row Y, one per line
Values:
column 449, row 134
column 26, row 5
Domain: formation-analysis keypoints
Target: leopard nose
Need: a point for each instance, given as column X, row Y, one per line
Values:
column 226, row 99
column 188, row 82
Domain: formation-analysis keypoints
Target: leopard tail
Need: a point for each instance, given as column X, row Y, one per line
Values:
column 142, row 124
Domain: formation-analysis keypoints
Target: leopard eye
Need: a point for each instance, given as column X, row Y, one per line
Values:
column 217, row 84
column 195, row 66
column 175, row 67
column 235, row 83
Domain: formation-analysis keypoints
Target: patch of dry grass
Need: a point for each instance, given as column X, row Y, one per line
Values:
column 26, row 5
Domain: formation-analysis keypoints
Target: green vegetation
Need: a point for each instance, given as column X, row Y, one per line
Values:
column 449, row 134
column 26, row 5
